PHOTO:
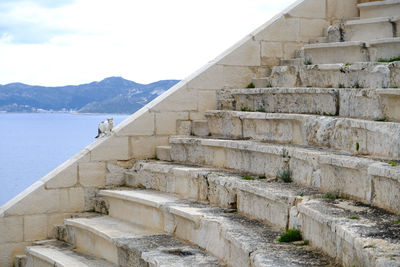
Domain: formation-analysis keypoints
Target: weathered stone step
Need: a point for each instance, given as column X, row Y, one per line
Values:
column 369, row 29
column 95, row 236
column 369, row 181
column 354, row 233
column 341, row 75
column 127, row 244
column 379, row 9
column 352, row 51
column 231, row 237
column 285, row 100
column 261, row 199
column 377, row 104
column 56, row 253
column 359, row 137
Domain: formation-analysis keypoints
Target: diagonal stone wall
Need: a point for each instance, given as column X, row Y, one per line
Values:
column 68, row 189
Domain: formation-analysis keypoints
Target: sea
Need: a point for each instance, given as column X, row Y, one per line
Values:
column 33, row 144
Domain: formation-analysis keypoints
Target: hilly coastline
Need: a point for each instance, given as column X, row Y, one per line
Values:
column 111, row 95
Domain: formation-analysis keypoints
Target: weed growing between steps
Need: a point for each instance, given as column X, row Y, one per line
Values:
column 393, row 163
column 354, row 218
column 381, row 119
column 245, row 109
column 291, row 235
column 357, row 146
column 393, row 59
column 334, row 196
column 248, row 177
column 307, row 62
column 285, row 175
column 250, row 85
column 357, row 85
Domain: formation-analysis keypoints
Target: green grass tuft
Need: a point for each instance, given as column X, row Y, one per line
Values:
column 251, row 85
column 389, row 60
column 248, row 177
column 357, row 85
column 262, row 177
column 244, row 109
column 357, row 146
column 307, row 62
column 291, row 235
column 393, row 163
column 354, row 217
column 381, row 119
column 285, row 175
column 331, row 196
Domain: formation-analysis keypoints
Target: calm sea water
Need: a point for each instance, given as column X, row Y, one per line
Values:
column 33, row 144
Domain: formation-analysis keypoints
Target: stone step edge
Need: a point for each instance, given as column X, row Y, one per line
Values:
column 374, row 251
column 201, row 216
column 305, row 90
column 243, row 125
column 185, row 211
column 220, row 188
column 373, row 177
column 58, row 257
column 372, row 20
column 82, row 223
column 123, row 238
column 379, row 3
column 295, row 116
column 352, row 43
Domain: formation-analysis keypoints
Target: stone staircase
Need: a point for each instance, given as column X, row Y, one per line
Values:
column 314, row 147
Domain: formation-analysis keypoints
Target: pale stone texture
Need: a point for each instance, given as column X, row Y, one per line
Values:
column 310, row 9
column 283, row 29
column 376, row 9
column 368, row 30
column 166, row 122
column 34, row 200
column 247, row 54
column 176, row 100
column 35, row 227
column 312, row 27
column 271, row 49
column 92, row 174
column 115, row 174
column 11, row 229
column 200, row 128
column 183, row 127
column 163, row 153
column 145, row 147
column 338, row 9
column 112, row 148
column 66, row 178
column 138, row 125
column 206, row 100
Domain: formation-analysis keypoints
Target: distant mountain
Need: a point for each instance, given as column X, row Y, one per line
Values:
column 111, row 95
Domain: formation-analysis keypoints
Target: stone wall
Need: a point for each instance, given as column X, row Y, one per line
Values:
column 68, row 189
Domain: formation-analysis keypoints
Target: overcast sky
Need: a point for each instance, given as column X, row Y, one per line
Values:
column 59, row 42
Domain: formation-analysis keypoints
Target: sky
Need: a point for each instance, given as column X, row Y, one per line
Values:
column 60, row 42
